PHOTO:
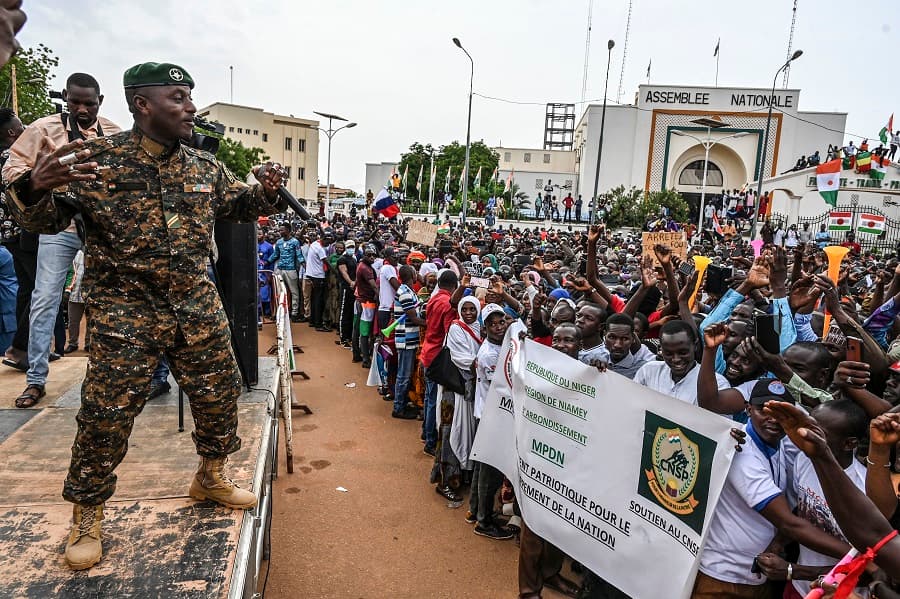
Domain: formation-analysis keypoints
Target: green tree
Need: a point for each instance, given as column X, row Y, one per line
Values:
column 634, row 207
column 33, row 66
column 670, row 199
column 239, row 158
column 447, row 156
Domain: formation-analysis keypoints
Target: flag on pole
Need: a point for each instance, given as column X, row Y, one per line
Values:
column 870, row 223
column 839, row 221
column 443, row 229
column 431, row 174
column 715, row 52
column 477, row 183
column 879, row 167
column 863, row 162
column 447, row 181
column 419, row 180
column 403, row 182
column 715, row 222
column 509, row 180
column 463, row 175
column 648, row 68
column 828, row 180
column 886, row 130
column 384, row 204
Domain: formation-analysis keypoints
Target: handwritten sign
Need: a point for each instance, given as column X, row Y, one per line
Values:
column 421, row 232
column 673, row 239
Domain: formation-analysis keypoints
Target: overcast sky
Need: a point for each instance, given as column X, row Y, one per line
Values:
column 390, row 65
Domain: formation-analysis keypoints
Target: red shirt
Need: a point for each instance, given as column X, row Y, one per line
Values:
column 854, row 247
column 438, row 316
column 568, row 201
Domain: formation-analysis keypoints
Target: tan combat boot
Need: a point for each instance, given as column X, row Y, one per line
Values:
column 83, row 549
column 212, row 483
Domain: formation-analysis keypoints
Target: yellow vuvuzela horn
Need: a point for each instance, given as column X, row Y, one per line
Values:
column 700, row 264
column 835, row 255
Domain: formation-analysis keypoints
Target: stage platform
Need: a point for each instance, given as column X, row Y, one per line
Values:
column 157, row 541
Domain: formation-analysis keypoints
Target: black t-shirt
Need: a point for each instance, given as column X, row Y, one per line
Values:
column 350, row 263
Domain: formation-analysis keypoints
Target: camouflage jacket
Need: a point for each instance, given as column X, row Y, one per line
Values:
column 148, row 220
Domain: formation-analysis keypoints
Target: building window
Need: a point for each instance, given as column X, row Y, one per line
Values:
column 231, row 129
column 265, row 137
column 240, row 130
column 287, row 143
column 301, row 145
column 539, row 184
column 507, row 156
column 255, row 132
column 527, row 157
column 301, row 173
column 546, row 158
column 693, row 175
column 287, row 172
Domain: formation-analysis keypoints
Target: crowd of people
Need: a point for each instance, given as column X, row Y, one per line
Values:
column 597, row 298
column 814, row 415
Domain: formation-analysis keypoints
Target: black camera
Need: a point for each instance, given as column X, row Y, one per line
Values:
column 207, row 135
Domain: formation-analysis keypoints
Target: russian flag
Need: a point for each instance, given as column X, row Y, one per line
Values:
column 384, row 204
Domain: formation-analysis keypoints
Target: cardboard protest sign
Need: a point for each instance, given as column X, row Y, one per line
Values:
column 673, row 239
column 421, row 232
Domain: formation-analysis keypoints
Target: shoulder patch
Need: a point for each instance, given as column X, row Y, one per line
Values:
column 202, row 154
column 100, row 145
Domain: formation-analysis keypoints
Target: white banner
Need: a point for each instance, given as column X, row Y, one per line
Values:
column 621, row 478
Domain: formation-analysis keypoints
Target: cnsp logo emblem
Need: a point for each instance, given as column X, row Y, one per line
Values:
column 675, row 469
column 674, row 473
column 176, row 74
column 507, row 366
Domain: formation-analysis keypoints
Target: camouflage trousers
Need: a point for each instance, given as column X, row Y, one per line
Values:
column 116, row 387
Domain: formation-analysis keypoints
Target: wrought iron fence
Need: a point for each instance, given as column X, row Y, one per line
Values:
column 886, row 242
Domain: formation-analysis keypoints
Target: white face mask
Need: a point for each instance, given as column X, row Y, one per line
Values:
column 350, row 251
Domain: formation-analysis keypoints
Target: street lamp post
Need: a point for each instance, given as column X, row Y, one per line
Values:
column 762, row 161
column 707, row 143
column 330, row 132
column 465, row 198
column 609, row 46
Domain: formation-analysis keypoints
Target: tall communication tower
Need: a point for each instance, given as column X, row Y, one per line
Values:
column 624, row 52
column 587, row 54
column 787, row 71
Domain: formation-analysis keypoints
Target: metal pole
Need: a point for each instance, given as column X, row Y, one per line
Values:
column 231, row 71
column 15, row 91
column 596, row 201
column 465, row 179
column 762, row 161
column 328, row 176
column 431, row 185
column 706, row 145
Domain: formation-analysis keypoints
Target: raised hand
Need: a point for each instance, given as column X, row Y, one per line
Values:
column 852, row 374
column 648, row 273
column 885, row 429
column 800, row 427
column 594, row 234
column 56, row 167
column 758, row 275
column 663, row 253
column 715, row 335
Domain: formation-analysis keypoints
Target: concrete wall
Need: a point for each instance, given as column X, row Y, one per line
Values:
column 378, row 174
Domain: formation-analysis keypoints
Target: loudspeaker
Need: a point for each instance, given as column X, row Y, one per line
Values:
column 237, row 274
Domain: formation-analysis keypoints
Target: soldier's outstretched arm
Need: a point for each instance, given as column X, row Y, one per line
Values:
column 41, row 199
column 240, row 202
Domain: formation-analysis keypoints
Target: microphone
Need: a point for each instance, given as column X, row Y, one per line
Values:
column 287, row 196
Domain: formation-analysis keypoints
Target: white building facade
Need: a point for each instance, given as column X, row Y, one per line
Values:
column 536, row 170
column 656, row 144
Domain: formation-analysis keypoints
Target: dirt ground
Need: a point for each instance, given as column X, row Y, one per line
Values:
column 389, row 534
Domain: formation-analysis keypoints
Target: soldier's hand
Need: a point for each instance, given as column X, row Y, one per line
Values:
column 55, row 167
column 271, row 179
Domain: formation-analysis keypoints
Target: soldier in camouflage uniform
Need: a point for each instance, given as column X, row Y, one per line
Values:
column 148, row 203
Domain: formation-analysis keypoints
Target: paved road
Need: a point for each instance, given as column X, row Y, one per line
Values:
column 390, row 534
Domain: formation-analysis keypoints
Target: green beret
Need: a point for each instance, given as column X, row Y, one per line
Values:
column 156, row 73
